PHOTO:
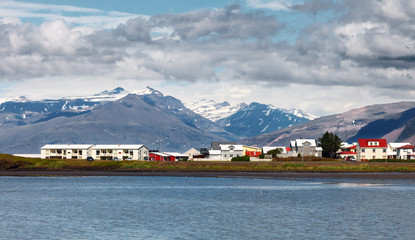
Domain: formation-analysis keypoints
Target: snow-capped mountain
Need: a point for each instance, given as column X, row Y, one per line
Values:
column 299, row 113
column 393, row 121
column 14, row 99
column 18, row 115
column 256, row 119
column 104, row 96
column 116, row 116
column 213, row 110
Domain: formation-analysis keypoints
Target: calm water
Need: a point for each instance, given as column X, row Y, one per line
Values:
column 204, row 208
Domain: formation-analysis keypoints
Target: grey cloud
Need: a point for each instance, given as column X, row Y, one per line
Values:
column 227, row 23
column 136, row 30
column 314, row 6
column 365, row 51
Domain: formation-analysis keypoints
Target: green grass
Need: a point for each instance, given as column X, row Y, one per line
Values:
column 11, row 163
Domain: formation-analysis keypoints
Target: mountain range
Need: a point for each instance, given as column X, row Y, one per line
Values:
column 118, row 116
column 163, row 122
column 394, row 121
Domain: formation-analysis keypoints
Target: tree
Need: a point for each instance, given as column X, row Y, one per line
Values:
column 274, row 152
column 330, row 143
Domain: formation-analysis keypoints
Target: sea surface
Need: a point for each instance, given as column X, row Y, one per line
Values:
column 204, row 208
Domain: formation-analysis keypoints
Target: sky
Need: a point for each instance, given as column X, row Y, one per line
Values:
column 320, row 56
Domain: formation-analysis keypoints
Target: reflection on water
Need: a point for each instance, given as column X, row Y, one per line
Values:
column 204, row 208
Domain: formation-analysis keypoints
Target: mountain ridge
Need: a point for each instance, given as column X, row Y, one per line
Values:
column 345, row 125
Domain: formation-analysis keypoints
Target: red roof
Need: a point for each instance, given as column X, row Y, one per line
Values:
column 352, row 147
column 365, row 143
column 347, row 153
column 406, row 147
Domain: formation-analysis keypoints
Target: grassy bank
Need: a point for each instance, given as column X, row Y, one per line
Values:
column 12, row 163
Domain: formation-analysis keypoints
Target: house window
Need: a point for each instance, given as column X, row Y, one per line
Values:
column 231, row 155
column 384, row 150
column 374, row 150
column 363, row 150
column 104, row 151
column 97, row 152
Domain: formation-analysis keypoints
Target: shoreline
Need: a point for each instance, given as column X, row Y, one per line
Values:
column 264, row 175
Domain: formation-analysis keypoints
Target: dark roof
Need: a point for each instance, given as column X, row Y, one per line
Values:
column 215, row 144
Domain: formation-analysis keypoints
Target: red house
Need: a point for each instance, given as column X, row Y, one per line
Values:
column 157, row 156
column 174, row 156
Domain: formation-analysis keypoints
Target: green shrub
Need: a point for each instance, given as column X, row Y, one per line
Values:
column 240, row 159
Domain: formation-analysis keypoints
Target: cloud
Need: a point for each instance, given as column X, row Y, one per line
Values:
column 313, row 6
column 269, row 4
column 359, row 44
column 88, row 18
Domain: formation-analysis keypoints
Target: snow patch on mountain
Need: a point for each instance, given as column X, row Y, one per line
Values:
column 21, row 99
column 213, row 110
column 147, row 91
column 299, row 113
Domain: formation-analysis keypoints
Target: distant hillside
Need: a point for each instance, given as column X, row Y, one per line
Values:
column 346, row 125
column 127, row 120
column 257, row 118
column 399, row 127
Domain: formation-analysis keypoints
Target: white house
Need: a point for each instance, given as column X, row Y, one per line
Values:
column 120, row 152
column 406, row 152
column 368, row 149
column 65, row 151
column 306, row 147
column 228, row 151
column 392, row 150
column 214, row 155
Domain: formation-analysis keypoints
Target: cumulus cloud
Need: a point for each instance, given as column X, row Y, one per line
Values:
column 363, row 43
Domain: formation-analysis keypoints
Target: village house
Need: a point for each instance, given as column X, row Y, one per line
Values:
column 225, row 152
column 214, row 155
column 393, row 149
column 120, row 152
column 215, row 145
column 192, row 153
column 228, row 151
column 367, row 149
column 284, row 150
column 251, row 151
column 305, row 148
column 175, row 156
column 406, row 152
column 347, row 151
column 65, row 151
column 159, row 157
